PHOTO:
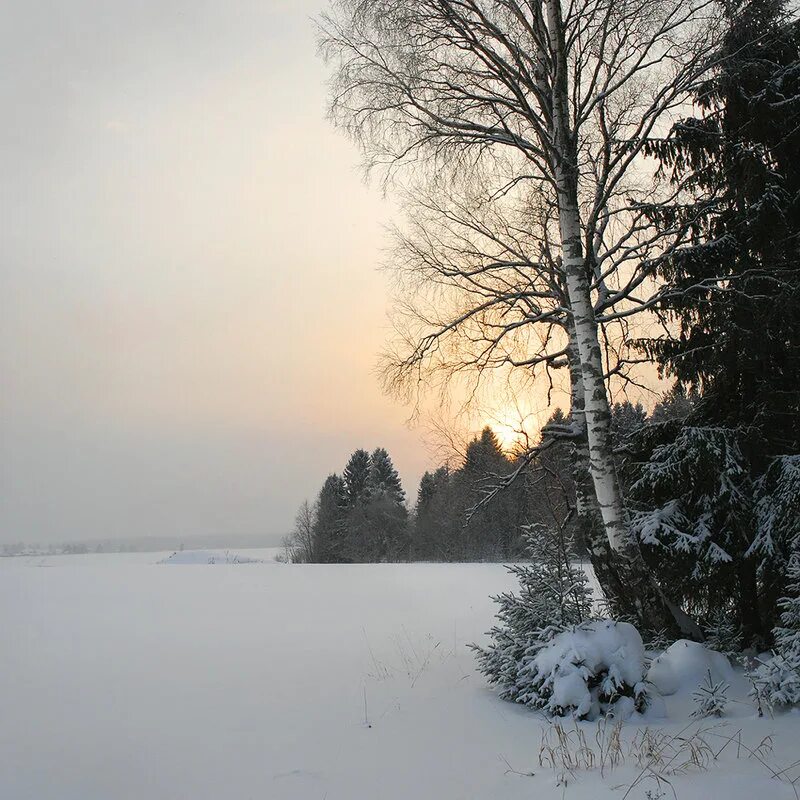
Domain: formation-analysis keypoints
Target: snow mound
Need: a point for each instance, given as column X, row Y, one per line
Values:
column 684, row 665
column 591, row 668
column 207, row 557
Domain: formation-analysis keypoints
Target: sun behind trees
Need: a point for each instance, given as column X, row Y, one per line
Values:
column 361, row 515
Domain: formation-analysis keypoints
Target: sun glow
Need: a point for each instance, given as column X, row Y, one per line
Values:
column 512, row 427
column 507, row 434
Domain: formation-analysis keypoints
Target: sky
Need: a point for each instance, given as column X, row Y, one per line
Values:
column 190, row 302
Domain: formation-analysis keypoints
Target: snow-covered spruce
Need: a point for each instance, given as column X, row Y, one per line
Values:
column 717, row 532
column 787, row 634
column 590, row 670
column 777, row 681
column 553, row 595
column 711, row 698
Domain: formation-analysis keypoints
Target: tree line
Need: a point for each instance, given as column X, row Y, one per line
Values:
column 361, row 515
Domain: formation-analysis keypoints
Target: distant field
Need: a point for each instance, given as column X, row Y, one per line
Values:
column 98, row 559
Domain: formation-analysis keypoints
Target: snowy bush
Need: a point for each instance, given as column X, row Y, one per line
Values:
column 591, row 669
column 545, row 653
column 777, row 682
column 553, row 595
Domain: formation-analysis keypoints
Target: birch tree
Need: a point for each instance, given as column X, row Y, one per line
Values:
column 573, row 91
column 479, row 292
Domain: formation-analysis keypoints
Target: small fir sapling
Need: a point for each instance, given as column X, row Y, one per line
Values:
column 723, row 634
column 657, row 640
column 776, row 682
column 553, row 594
column 710, row 698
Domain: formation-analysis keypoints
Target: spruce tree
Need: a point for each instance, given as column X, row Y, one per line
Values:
column 493, row 531
column 383, row 477
column 386, row 510
column 734, row 290
column 437, row 527
column 553, row 595
column 356, row 477
column 694, row 497
column 329, row 520
column 733, row 294
column 426, row 491
column 484, row 454
column 674, row 406
column 626, row 420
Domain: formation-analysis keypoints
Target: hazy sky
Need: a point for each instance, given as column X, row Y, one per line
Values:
column 190, row 309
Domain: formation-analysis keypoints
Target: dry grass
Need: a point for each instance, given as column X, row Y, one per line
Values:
column 409, row 657
column 658, row 755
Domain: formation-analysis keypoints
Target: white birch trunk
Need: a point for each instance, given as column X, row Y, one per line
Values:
column 596, row 409
column 607, row 564
column 585, row 501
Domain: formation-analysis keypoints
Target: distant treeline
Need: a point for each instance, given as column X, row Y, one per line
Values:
column 476, row 511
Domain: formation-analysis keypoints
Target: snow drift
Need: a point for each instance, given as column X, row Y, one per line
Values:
column 684, row 665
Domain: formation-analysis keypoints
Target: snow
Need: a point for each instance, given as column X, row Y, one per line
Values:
column 208, row 557
column 586, row 651
column 684, row 665
column 598, row 645
column 125, row 679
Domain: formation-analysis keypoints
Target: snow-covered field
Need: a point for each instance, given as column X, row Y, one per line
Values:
column 125, row 678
